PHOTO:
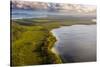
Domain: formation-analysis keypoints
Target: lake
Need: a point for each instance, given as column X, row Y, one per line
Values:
column 30, row 13
column 76, row 43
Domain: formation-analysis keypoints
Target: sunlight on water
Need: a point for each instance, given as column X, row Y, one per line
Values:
column 76, row 43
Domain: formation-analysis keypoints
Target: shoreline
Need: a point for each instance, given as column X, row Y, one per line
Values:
column 57, row 38
column 39, row 26
column 22, row 44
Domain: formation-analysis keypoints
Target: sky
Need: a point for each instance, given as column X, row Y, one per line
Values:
column 87, row 2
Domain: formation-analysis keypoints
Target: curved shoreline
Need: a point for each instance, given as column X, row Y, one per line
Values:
column 32, row 46
column 48, row 46
column 57, row 37
column 44, row 41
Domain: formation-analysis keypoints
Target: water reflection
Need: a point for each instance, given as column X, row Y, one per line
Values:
column 76, row 43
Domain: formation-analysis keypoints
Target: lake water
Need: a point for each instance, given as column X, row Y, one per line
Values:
column 29, row 13
column 24, row 13
column 76, row 43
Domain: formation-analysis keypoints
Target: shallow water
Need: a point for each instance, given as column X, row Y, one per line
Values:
column 76, row 43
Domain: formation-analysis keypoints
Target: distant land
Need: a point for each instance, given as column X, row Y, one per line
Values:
column 61, row 7
column 32, row 38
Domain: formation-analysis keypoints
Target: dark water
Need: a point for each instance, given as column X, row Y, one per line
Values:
column 76, row 43
column 24, row 13
column 29, row 13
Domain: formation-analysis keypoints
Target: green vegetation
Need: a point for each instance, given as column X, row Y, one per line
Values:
column 32, row 40
column 31, row 45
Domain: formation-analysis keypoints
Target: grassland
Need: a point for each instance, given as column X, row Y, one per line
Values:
column 32, row 40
